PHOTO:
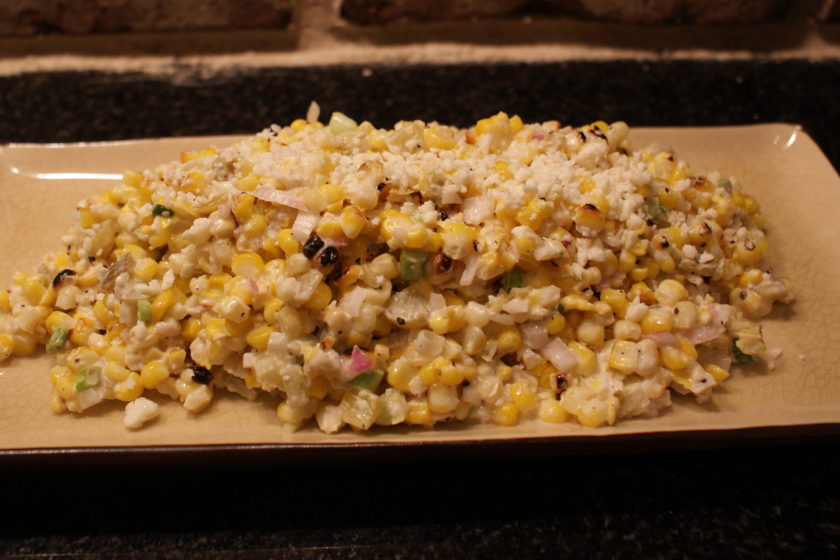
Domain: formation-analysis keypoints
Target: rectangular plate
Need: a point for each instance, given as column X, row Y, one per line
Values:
column 798, row 190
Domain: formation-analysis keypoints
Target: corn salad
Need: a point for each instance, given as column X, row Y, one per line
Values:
column 362, row 276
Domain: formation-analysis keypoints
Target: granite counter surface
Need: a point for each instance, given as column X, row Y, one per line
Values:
column 760, row 501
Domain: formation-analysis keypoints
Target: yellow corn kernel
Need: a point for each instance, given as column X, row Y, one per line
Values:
column 258, row 337
column 5, row 303
column 63, row 381
column 161, row 304
column 153, row 373
column 505, row 415
column 576, row 302
column 498, row 123
column 247, row 265
column 452, row 375
column 667, row 264
column 750, row 256
column 415, row 235
column 418, row 413
column 160, row 237
column 352, row 221
column 586, row 360
column 33, row 290
column 440, row 321
column 271, row 308
column 525, row 399
column 616, row 300
column 129, row 389
column 509, row 339
column 329, row 228
column 657, row 320
column 624, row 356
column 287, row 242
column 58, row 319
column 243, row 207
column 669, row 198
column 438, row 137
column 673, row 358
column 687, row 347
column 490, row 265
column 298, row 125
column 556, row 324
column 456, row 234
column 82, row 329
column 504, row 372
column 434, row 241
column 191, row 328
column 551, row 410
column 750, row 277
column 116, row 372
column 132, row 178
column 247, row 183
column 430, row 373
column 591, row 332
column 353, row 272
column 592, row 414
column 643, row 292
column 86, row 218
column 717, row 372
column 146, row 269
column 6, row 346
column 516, row 124
column 333, row 193
column 670, row 292
column 320, row 298
column 534, row 213
column 400, row 374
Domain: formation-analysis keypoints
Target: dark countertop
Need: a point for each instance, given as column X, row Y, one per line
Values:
column 762, row 500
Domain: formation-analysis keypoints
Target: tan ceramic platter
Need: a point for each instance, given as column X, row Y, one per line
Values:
column 793, row 181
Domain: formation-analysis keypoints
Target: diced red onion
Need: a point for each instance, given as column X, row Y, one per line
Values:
column 663, row 338
column 720, row 313
column 359, row 362
column 224, row 210
column 253, row 287
column 534, row 334
column 538, row 136
column 703, row 333
column 275, row 196
column 559, row 355
column 303, row 226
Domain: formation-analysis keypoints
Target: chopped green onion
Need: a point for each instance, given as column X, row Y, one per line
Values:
column 57, row 340
column 663, row 210
column 561, row 309
column 512, row 279
column 739, row 355
column 87, row 378
column 144, row 310
column 341, row 123
column 726, row 185
column 413, row 264
column 161, row 210
column 368, row 380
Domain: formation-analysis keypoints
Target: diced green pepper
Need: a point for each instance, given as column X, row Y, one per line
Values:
column 144, row 310
column 368, row 380
column 413, row 264
column 739, row 355
column 512, row 279
column 57, row 340
column 161, row 210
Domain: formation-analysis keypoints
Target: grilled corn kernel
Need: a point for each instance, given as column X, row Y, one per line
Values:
column 590, row 217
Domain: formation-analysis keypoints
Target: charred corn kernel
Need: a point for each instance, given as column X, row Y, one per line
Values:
column 242, row 207
column 534, row 213
column 258, row 337
column 418, row 413
column 129, row 389
column 115, row 372
column 287, row 242
column 439, row 138
column 153, row 373
column 550, row 410
column 624, row 356
column 516, row 124
column 588, row 216
column 670, row 292
column 247, row 183
column 591, row 332
column 329, row 228
column 352, row 222
column 751, row 252
column 523, row 396
column 320, row 298
column 509, row 339
column 247, row 265
column 657, row 320
column 400, row 373
column 505, row 415
column 5, row 346
column 586, row 360
column 556, row 324
column 673, row 358
column 616, row 300
column 717, row 372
